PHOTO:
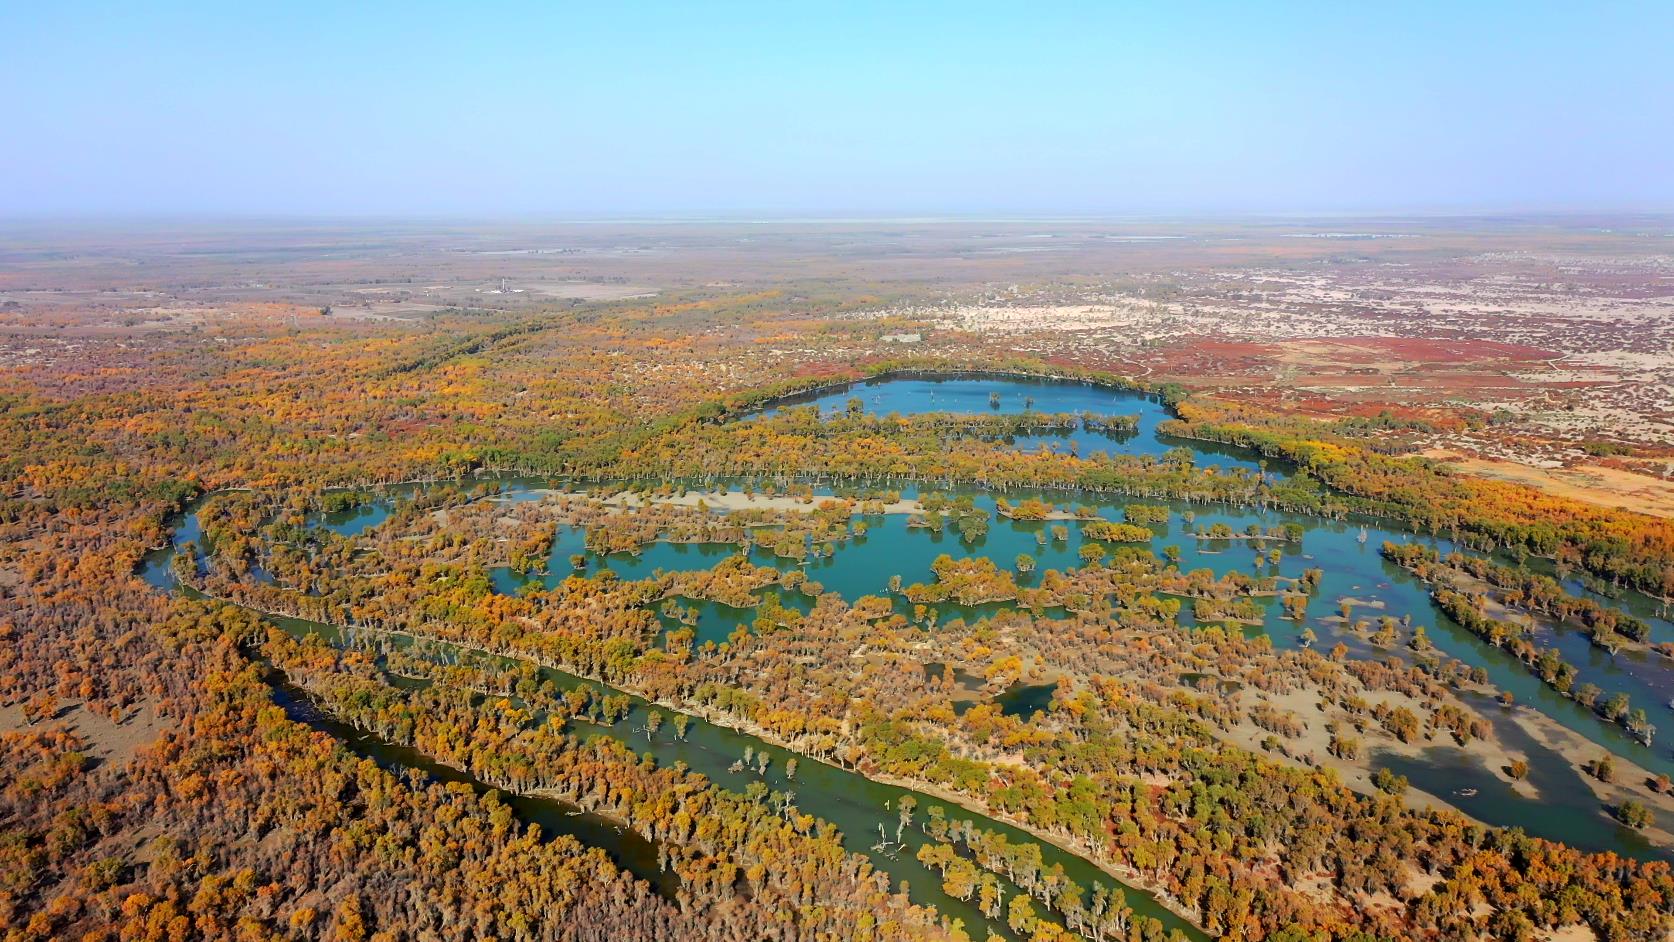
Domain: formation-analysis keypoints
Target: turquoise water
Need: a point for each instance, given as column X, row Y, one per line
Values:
column 971, row 396
column 354, row 520
column 1566, row 809
column 855, row 804
column 1562, row 796
column 1352, row 570
column 626, row 847
column 1025, row 700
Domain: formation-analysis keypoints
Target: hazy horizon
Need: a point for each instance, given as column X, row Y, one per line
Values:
column 959, row 111
column 188, row 221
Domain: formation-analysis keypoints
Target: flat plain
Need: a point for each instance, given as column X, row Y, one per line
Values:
column 1011, row 578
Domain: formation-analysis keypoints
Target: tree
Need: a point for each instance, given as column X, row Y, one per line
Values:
column 1020, row 915
column 1604, row 768
column 1616, row 707
column 904, row 814
column 1344, row 747
column 1389, row 782
column 1634, row 815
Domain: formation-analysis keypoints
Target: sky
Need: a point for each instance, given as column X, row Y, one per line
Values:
column 633, row 109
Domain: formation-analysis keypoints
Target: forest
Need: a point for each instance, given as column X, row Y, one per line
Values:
column 459, row 542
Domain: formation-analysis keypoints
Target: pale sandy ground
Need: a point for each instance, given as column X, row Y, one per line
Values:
column 1609, row 487
column 115, row 742
column 1355, row 773
column 730, row 500
column 738, row 500
column 1630, row 779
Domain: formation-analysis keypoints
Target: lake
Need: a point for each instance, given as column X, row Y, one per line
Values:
column 1347, row 551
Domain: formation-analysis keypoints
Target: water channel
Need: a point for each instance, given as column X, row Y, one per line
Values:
column 1345, row 549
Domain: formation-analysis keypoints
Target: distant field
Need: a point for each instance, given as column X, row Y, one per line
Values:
column 1518, row 340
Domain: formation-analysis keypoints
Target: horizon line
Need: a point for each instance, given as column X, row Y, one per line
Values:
column 750, row 217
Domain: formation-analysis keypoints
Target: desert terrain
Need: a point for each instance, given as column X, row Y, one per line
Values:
column 1539, row 350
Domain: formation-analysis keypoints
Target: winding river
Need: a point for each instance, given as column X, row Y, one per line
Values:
column 1566, row 810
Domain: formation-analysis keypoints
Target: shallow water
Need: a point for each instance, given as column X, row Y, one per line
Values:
column 918, row 395
column 625, row 846
column 854, row 803
column 1566, row 809
column 1025, row 700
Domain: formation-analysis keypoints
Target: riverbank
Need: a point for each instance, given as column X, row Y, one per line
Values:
column 1124, row 876
column 727, row 722
column 724, row 500
column 1351, row 587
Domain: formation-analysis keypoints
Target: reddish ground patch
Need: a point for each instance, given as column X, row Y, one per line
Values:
column 1205, row 359
column 1438, row 351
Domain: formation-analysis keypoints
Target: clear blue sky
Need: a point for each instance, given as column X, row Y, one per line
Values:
column 837, row 108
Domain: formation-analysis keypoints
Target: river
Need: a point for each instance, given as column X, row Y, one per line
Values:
column 1353, row 568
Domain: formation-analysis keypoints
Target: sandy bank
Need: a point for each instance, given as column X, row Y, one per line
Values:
column 728, row 500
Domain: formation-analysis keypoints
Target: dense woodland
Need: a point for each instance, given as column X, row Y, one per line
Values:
column 1083, row 764
column 152, row 786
